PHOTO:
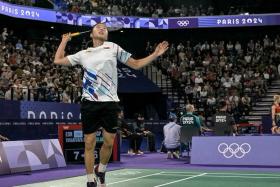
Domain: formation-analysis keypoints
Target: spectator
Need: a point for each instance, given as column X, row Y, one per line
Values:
column 5, row 34
column 198, row 79
column 19, row 45
column 170, row 8
column 139, row 127
column 245, row 105
column 172, row 133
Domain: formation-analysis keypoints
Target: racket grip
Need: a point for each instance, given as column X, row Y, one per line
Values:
column 75, row 34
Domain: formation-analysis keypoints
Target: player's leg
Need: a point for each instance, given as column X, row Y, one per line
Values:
column 105, row 154
column 107, row 147
column 90, row 141
column 90, row 120
column 110, row 125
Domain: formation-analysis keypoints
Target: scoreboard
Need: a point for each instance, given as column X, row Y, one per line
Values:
column 72, row 142
column 247, row 128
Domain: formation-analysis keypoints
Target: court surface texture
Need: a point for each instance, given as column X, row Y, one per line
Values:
column 174, row 178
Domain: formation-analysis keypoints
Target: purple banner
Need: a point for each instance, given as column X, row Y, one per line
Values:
column 9, row 109
column 49, row 110
column 182, row 23
column 41, row 14
column 39, row 110
column 26, row 12
column 239, row 20
column 240, row 150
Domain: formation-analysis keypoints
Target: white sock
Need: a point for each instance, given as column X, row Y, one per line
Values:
column 91, row 177
column 102, row 168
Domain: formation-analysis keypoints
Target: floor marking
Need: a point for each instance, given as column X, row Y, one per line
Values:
column 237, row 176
column 134, row 178
column 242, row 174
column 181, row 180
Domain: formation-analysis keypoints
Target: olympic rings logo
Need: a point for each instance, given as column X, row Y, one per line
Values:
column 238, row 151
column 183, row 23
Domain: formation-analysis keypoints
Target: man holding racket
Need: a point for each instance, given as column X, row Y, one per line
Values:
column 99, row 105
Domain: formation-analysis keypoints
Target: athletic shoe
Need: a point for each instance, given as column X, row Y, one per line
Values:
column 139, row 152
column 130, row 152
column 175, row 155
column 100, row 176
column 169, row 155
column 91, row 184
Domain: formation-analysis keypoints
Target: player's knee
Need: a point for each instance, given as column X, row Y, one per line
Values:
column 89, row 146
column 108, row 145
column 89, row 143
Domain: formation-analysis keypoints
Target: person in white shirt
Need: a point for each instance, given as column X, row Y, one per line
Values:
column 198, row 79
column 227, row 83
column 19, row 45
column 238, row 47
column 172, row 133
column 99, row 106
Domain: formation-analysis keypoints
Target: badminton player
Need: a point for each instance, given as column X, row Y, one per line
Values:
column 99, row 105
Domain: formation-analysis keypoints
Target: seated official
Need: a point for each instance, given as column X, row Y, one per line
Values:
column 189, row 118
column 127, row 131
column 172, row 133
column 223, row 122
column 139, row 127
column 191, row 126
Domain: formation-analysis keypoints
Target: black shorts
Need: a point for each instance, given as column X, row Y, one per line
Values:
column 99, row 114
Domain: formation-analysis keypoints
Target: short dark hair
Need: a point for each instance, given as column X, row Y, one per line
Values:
column 137, row 115
column 222, row 104
column 98, row 24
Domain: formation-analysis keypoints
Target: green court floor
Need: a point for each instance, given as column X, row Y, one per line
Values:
column 173, row 178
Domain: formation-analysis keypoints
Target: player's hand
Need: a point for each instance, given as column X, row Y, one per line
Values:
column 66, row 37
column 161, row 48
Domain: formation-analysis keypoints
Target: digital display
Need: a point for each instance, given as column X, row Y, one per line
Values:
column 76, row 136
column 77, row 155
column 248, row 130
column 73, row 143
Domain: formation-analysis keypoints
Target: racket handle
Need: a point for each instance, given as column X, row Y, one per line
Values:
column 75, row 34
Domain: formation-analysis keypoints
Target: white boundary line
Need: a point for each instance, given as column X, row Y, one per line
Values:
column 244, row 177
column 232, row 176
column 181, row 180
column 224, row 174
column 134, row 178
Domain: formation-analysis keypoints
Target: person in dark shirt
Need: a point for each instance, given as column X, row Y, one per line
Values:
column 127, row 131
column 189, row 118
column 139, row 127
column 222, row 119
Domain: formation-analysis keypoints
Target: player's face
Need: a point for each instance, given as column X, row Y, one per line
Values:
column 100, row 32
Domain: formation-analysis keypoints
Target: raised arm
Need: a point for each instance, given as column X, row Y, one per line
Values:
column 59, row 58
column 139, row 63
